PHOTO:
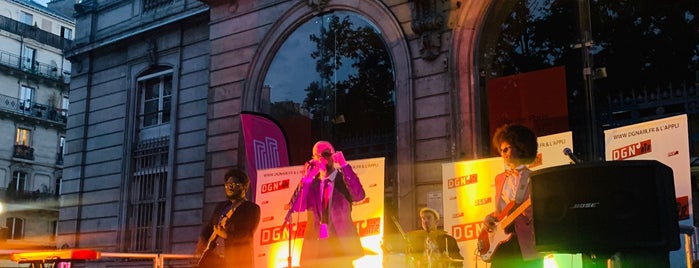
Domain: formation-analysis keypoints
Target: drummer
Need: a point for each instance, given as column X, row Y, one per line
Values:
column 430, row 247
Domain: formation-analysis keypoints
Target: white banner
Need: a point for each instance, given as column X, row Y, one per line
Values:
column 274, row 190
column 469, row 187
column 665, row 140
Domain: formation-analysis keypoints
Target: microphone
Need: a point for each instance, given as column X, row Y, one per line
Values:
column 309, row 167
column 568, row 152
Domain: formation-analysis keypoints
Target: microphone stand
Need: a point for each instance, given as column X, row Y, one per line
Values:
column 287, row 219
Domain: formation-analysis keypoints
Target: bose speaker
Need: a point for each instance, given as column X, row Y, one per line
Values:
column 605, row 207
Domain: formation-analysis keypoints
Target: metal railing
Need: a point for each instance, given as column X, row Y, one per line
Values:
column 24, row 64
column 33, row 110
column 23, row 151
column 33, row 32
column 158, row 259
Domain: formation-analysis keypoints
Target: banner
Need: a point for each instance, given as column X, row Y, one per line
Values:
column 275, row 188
column 469, row 187
column 667, row 141
column 265, row 145
column 535, row 99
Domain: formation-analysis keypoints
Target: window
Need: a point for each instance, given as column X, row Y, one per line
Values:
column 61, row 150
column 64, row 106
column 61, row 145
column 148, row 196
column 350, row 100
column 155, row 92
column 149, row 5
column 23, row 137
column 57, row 191
column 16, row 186
column 26, row 18
column 15, row 228
column 54, row 230
column 66, row 33
column 28, row 55
column 647, row 48
column 25, row 95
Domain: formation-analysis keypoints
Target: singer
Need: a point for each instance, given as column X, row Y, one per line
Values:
column 330, row 239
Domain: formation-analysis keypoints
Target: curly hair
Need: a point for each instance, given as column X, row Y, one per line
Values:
column 237, row 174
column 519, row 137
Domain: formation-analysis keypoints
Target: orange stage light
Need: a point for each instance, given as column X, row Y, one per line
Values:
column 53, row 255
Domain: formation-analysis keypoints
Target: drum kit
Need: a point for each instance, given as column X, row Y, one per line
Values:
column 423, row 250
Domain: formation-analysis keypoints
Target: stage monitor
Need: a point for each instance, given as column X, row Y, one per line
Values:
column 605, row 207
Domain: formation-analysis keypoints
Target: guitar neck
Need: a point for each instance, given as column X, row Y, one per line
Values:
column 510, row 218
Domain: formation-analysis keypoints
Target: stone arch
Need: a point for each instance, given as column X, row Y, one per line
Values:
column 469, row 22
column 396, row 44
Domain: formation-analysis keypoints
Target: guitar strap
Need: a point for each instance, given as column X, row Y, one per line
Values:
column 224, row 218
column 522, row 186
column 223, row 223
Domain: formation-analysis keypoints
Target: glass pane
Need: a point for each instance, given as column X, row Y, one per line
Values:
column 630, row 65
column 23, row 136
column 167, row 86
column 166, row 109
column 332, row 79
column 152, row 89
column 26, row 18
column 150, row 113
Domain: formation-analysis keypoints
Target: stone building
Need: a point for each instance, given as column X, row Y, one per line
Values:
column 34, row 84
column 158, row 86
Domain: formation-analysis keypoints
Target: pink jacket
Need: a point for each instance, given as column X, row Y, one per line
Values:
column 524, row 227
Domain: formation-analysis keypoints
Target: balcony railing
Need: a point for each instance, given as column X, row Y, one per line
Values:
column 33, row 110
column 32, row 32
column 14, row 61
column 15, row 196
column 24, row 152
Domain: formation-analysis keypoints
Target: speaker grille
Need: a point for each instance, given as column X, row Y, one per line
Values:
column 605, row 207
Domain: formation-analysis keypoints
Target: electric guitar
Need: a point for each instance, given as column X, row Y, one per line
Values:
column 205, row 256
column 490, row 238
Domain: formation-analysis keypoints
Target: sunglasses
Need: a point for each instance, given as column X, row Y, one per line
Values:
column 231, row 185
column 506, row 149
column 326, row 154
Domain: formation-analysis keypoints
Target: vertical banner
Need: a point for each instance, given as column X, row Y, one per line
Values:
column 667, row 141
column 265, row 145
column 469, row 187
column 274, row 190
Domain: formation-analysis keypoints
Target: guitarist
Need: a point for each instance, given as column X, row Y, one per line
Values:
column 517, row 146
column 226, row 239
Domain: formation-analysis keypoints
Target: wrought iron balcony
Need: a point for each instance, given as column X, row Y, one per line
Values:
column 33, row 32
column 36, row 68
column 22, row 196
column 24, row 152
column 33, row 110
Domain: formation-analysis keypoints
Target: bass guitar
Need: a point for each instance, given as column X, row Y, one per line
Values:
column 490, row 238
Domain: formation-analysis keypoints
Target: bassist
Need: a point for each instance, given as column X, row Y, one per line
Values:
column 226, row 239
column 517, row 146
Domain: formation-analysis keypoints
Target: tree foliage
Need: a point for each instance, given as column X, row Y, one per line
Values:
column 356, row 96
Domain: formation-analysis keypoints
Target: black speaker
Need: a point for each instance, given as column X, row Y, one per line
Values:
column 605, row 207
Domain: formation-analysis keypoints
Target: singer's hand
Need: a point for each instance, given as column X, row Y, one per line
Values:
column 339, row 158
column 312, row 169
